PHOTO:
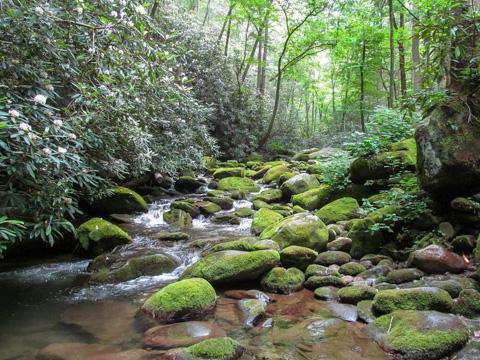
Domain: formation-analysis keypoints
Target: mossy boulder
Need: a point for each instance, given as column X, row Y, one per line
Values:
column 299, row 184
column 260, row 204
column 264, row 218
column 420, row 335
column 234, row 183
column 226, row 203
column 326, row 293
column 178, row 218
column 328, row 258
column 320, row 270
column 184, row 299
column 229, row 218
column 468, row 303
column 297, row 256
column 120, row 200
column 98, row 236
column 244, row 212
column 269, row 196
column 314, row 282
column 208, row 208
column 186, row 184
column 212, row 349
column 314, row 198
column 300, row 229
column 274, row 172
column 401, row 276
column 221, row 173
column 229, row 267
column 244, row 244
column 356, row 293
column 352, row 268
column 364, row 240
column 345, row 208
column 189, row 206
column 283, row 281
column 422, row 298
column 340, row 243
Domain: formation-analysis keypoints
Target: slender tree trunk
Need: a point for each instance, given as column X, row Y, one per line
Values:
column 225, row 22
column 207, row 11
column 263, row 81
column 401, row 60
column 259, row 61
column 392, row 56
column 227, row 40
column 249, row 61
column 334, row 110
column 278, row 89
column 416, row 78
column 362, row 86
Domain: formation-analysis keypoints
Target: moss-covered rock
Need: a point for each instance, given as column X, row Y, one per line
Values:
column 326, row 293
column 468, row 303
column 208, row 208
column 228, row 267
column 230, row 218
column 269, row 196
column 234, row 183
column 314, row 198
column 178, row 218
column 297, row 256
column 352, row 268
column 364, row 240
column 320, row 270
column 274, row 172
column 120, row 200
column 333, row 257
column 226, row 203
column 244, row 244
column 420, row 335
column 264, row 218
column 185, row 299
column 340, row 243
column 185, row 205
column 220, row 348
column 299, row 229
column 400, row 276
column 98, row 236
column 354, row 294
column 345, row 208
column 299, row 184
column 423, row 298
column 221, row 173
column 283, row 281
column 244, row 212
column 188, row 184
column 259, row 204
column 314, row 282
column 365, row 312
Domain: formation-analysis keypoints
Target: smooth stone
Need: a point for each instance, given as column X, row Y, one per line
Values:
column 435, row 259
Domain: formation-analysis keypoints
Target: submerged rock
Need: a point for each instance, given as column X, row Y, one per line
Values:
column 253, row 310
column 73, row 351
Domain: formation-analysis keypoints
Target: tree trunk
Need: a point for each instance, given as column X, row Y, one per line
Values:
column 391, row 97
column 225, row 22
column 362, row 86
column 227, row 40
column 249, row 61
column 416, row 78
column 278, row 89
column 263, row 81
column 401, row 60
column 207, row 10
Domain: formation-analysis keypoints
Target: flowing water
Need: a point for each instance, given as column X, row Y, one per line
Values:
column 50, row 303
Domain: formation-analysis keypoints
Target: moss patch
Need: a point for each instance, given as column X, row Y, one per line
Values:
column 121, row 201
column 298, row 256
column 339, row 210
column 97, row 236
column 356, row 293
column 352, row 268
column 264, row 218
column 313, row 198
column 238, row 183
column 220, row 348
column 284, row 281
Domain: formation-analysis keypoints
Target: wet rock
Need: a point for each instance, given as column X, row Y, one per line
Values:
column 468, row 303
column 343, row 311
column 333, row 257
column 403, row 275
column 181, row 334
column 238, row 184
column 73, row 351
column 326, row 293
column 352, row 268
column 471, row 351
column 355, row 293
column 345, row 208
column 188, row 184
column 122, row 218
column 298, row 257
column 453, row 284
column 314, row 282
column 299, row 184
column 422, row 298
column 264, row 218
column 121, row 200
column 98, row 236
column 375, row 258
column 229, row 267
column 419, row 335
column 186, row 205
column 299, row 229
column 340, row 244
column 185, row 299
column 244, row 244
column 134, row 354
column 244, row 212
column 208, row 208
column 283, row 281
column 253, row 310
column 314, row 198
column 169, row 236
column 365, row 312
column 177, row 217
column 435, row 259
column 247, row 294
column 211, row 349
column 230, row 218
column 224, row 202
column 375, row 272
column 269, row 196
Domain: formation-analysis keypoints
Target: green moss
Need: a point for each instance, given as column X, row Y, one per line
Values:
column 425, row 298
column 244, row 212
column 260, row 204
column 219, row 348
column 208, row 208
column 216, row 193
column 298, row 209
column 298, row 256
column 313, row 198
column 333, row 257
column 178, row 218
column 352, row 268
column 339, row 210
column 416, row 336
column 224, row 202
column 121, row 201
column 269, row 195
column 237, row 183
column 97, row 235
column 221, row 173
column 364, row 241
column 184, row 299
column 468, row 303
column 231, row 266
column 187, row 206
column 264, row 218
column 299, row 229
column 354, row 294
column 274, row 173
column 320, row 270
column 284, row 281
column 244, row 244
column 314, row 282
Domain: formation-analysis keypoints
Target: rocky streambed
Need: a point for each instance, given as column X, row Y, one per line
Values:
column 232, row 270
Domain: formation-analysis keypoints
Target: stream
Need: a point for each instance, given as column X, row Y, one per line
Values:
column 47, row 303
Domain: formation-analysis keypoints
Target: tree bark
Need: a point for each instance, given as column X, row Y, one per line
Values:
column 401, row 60
column 391, row 97
column 362, row 86
column 416, row 78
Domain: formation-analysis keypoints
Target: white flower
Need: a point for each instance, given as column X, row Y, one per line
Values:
column 13, row 113
column 49, row 87
column 47, row 151
column 57, row 123
column 15, row 61
column 33, row 137
column 40, row 99
column 79, row 10
column 24, row 126
column 61, row 150
column 113, row 13
column 141, row 10
column 39, row 11
column 72, row 136
column 130, row 23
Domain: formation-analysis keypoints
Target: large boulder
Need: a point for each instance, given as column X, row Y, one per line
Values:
column 120, row 200
column 231, row 266
column 283, row 281
column 234, row 183
column 449, row 154
column 274, row 173
column 177, row 217
column 188, row 184
column 184, row 299
column 345, row 208
column 221, row 173
column 314, row 198
column 98, row 236
column 435, row 259
column 298, row 256
column 211, row 349
column 299, row 184
column 402, row 156
column 269, row 196
column 263, row 218
column 300, row 229
column 420, row 335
